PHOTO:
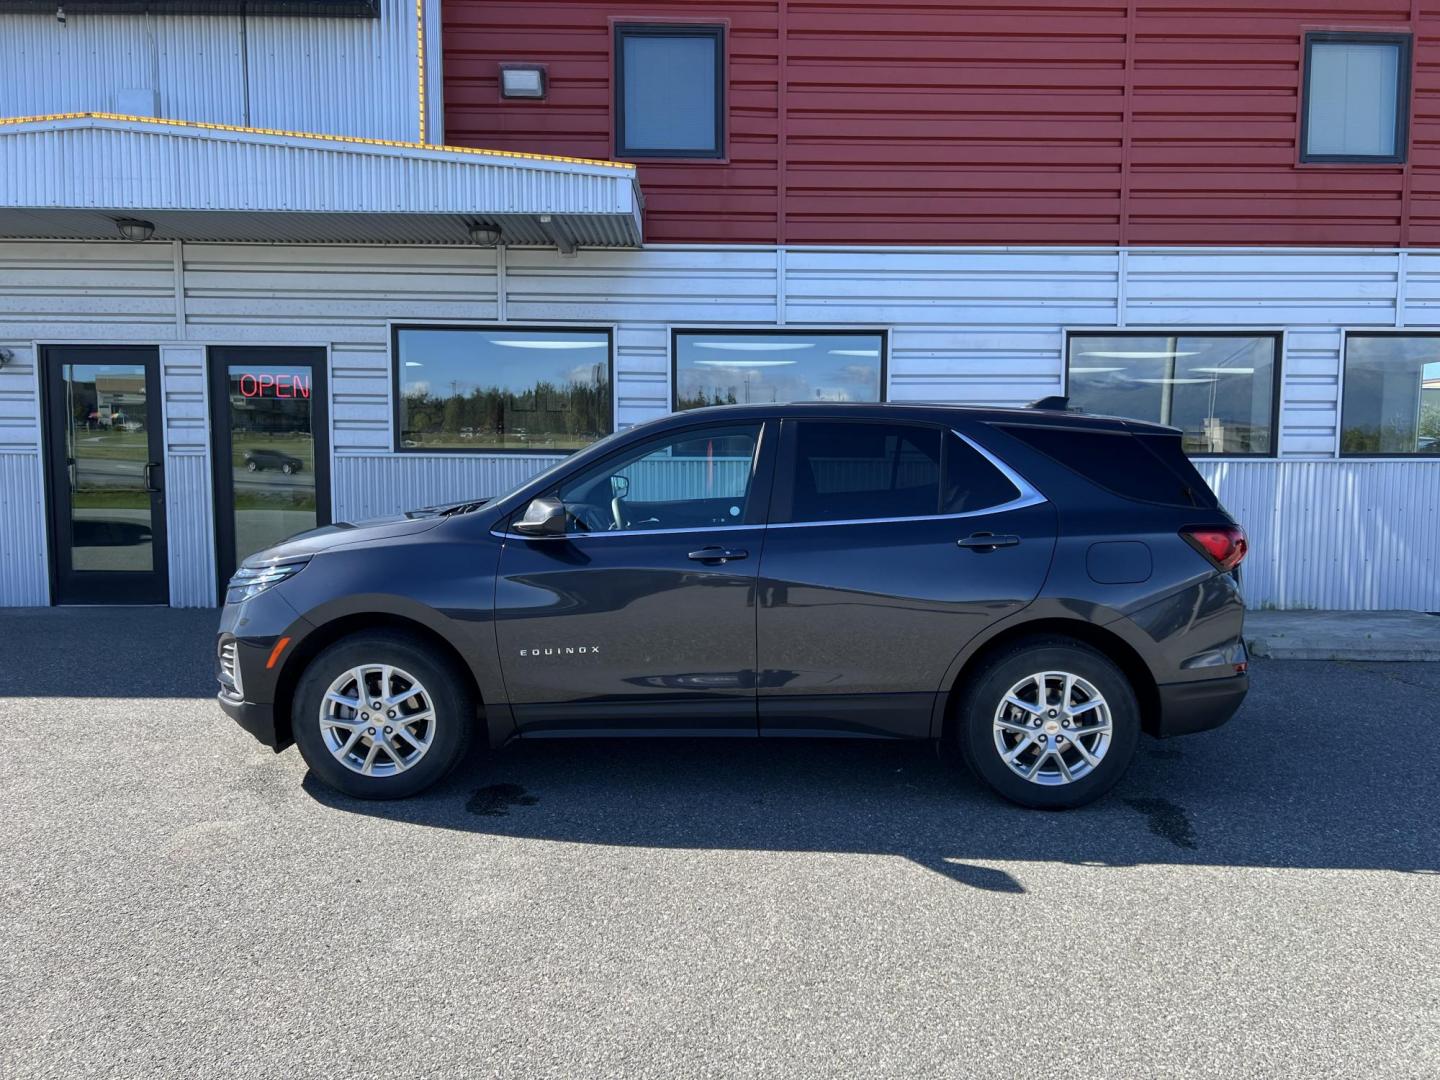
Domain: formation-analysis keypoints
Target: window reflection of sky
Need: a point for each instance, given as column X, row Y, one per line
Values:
column 446, row 362
column 719, row 368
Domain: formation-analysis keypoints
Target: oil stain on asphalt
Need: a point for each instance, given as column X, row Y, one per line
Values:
column 1166, row 820
column 496, row 800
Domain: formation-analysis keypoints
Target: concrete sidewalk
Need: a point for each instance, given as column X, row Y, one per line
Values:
column 1343, row 635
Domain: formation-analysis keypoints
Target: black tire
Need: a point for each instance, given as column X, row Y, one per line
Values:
column 450, row 695
column 288, row 469
column 251, row 466
column 986, row 689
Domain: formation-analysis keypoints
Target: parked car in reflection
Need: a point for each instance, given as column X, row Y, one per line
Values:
column 255, row 460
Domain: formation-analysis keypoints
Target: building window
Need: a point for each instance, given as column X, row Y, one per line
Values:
column 1356, row 97
column 487, row 388
column 1219, row 389
column 670, row 91
column 737, row 367
column 1391, row 403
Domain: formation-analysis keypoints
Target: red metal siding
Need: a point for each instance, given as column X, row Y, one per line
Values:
column 1009, row 121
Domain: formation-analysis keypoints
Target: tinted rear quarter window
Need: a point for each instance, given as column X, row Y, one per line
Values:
column 1146, row 468
column 971, row 483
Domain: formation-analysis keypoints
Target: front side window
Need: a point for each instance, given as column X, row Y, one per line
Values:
column 690, row 480
column 1219, row 389
column 739, row 368
column 1356, row 97
column 538, row 389
column 1391, row 403
column 670, row 91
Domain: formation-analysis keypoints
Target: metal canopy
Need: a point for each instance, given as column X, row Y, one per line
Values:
column 72, row 176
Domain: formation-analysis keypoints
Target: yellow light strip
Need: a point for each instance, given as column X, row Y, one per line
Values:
column 349, row 139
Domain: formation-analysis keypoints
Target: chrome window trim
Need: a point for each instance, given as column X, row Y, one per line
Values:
column 1028, row 496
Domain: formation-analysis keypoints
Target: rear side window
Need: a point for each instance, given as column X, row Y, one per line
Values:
column 971, row 483
column 847, row 471
column 1147, row 468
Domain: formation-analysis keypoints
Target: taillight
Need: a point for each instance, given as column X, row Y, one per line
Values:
column 1224, row 545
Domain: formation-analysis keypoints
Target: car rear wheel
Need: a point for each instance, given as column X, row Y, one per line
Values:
column 1050, row 724
column 379, row 716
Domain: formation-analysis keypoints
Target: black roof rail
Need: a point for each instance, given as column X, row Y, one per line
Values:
column 1054, row 403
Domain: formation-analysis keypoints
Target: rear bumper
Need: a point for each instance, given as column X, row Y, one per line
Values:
column 257, row 719
column 1189, row 707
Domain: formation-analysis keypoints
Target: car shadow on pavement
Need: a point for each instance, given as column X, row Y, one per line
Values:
column 1280, row 786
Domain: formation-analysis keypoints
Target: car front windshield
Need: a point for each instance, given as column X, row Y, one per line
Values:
column 598, row 445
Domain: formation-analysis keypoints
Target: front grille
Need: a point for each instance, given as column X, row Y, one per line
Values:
column 229, row 673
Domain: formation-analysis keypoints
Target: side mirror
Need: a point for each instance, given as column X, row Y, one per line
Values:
column 543, row 517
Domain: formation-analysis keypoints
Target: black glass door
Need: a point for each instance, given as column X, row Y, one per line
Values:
column 105, row 454
column 271, row 452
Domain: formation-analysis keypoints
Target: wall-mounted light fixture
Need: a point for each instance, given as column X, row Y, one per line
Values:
column 522, row 81
column 484, row 235
column 135, row 230
column 6, row 355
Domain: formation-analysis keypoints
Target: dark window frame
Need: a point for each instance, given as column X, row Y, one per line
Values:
column 778, row 331
column 716, row 31
column 1403, row 91
column 218, row 359
column 1278, row 336
column 396, row 439
column 1390, row 455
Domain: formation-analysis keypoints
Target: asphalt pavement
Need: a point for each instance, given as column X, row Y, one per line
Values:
column 1258, row 901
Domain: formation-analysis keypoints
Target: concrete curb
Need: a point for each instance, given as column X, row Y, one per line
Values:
column 1364, row 636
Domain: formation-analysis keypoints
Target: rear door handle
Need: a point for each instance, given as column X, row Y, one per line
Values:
column 718, row 554
column 984, row 541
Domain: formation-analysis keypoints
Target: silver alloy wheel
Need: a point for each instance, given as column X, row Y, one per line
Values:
column 1052, row 728
column 377, row 720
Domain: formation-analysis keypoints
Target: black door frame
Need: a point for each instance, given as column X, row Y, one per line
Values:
column 219, row 358
column 68, row 585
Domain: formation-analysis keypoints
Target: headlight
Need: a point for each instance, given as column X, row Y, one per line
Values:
column 253, row 580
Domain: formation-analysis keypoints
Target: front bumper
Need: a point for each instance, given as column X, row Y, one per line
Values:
column 1188, row 707
column 256, row 718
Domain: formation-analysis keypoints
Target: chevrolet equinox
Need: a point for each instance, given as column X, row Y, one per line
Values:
column 1032, row 587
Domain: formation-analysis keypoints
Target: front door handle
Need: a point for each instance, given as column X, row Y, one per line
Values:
column 718, row 554
column 984, row 541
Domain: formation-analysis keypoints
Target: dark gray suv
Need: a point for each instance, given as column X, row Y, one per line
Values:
column 1032, row 587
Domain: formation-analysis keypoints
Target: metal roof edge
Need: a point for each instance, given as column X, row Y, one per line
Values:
column 314, row 140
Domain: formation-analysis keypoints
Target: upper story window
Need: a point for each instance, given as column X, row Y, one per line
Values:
column 669, row 91
column 1217, row 388
column 742, row 367
column 1356, row 97
column 478, row 388
column 1391, row 403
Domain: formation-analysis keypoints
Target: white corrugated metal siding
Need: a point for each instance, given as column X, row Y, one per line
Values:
column 340, row 76
column 24, row 573
column 965, row 325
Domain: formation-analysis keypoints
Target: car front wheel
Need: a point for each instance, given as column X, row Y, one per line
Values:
column 1050, row 724
column 379, row 716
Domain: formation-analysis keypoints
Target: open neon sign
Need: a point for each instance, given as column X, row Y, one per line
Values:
column 292, row 385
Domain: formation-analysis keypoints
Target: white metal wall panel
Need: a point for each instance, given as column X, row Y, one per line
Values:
column 334, row 76
column 64, row 291
column 1336, row 534
column 373, row 485
column 190, row 530
column 24, row 571
column 983, row 327
column 189, row 506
